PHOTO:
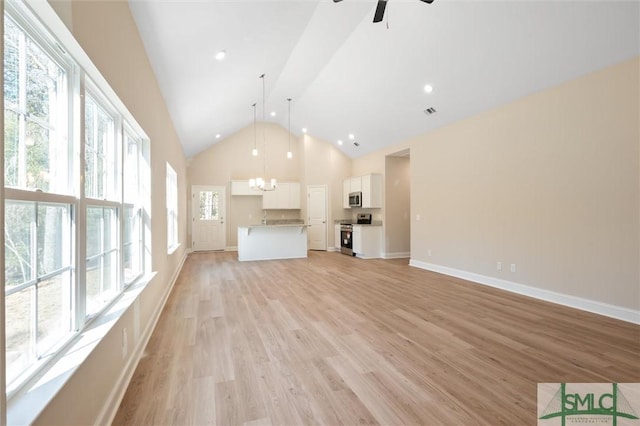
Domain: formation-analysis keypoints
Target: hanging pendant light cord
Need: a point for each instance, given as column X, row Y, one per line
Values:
column 289, row 152
column 264, row 132
column 255, row 130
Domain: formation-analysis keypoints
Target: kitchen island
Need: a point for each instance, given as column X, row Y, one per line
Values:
column 272, row 241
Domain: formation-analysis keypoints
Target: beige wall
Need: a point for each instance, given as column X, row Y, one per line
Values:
column 314, row 162
column 107, row 33
column 397, row 224
column 550, row 183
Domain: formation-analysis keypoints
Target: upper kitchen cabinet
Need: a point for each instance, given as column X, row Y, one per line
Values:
column 286, row 196
column 241, row 187
column 370, row 186
column 352, row 184
column 372, row 191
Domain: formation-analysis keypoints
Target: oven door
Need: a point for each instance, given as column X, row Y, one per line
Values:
column 346, row 242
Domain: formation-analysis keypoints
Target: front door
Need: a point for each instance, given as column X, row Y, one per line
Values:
column 317, row 217
column 208, row 230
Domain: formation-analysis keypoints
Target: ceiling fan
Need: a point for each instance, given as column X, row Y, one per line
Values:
column 382, row 4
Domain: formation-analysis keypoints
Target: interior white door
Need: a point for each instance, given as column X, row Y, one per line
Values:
column 208, row 207
column 317, row 216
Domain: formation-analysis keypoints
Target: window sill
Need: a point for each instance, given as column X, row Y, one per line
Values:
column 173, row 248
column 33, row 396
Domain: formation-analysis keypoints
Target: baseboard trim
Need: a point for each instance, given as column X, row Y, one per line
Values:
column 612, row 311
column 110, row 409
column 397, row 255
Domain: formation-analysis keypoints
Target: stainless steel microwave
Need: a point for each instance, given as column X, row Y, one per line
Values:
column 355, row 199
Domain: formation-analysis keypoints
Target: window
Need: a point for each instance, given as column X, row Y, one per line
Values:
column 68, row 253
column 39, row 275
column 100, row 153
column 38, row 281
column 172, row 209
column 102, row 283
column 35, row 100
column 209, row 205
column 133, row 244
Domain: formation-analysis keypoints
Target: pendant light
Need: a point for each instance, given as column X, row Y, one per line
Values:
column 289, row 153
column 254, row 152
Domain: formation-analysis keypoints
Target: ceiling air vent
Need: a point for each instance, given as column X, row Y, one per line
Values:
column 356, row 144
column 430, row 111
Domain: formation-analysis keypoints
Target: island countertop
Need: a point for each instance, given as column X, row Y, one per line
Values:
column 275, row 225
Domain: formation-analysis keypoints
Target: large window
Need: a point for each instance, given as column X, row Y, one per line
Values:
column 74, row 221
column 172, row 209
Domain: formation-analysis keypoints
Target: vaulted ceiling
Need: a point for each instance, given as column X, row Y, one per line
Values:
column 347, row 75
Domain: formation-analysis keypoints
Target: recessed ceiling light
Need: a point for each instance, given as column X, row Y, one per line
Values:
column 351, row 136
column 340, row 142
column 221, row 54
column 428, row 88
column 304, row 130
column 218, row 136
column 273, row 113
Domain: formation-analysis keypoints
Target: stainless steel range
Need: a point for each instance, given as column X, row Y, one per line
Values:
column 346, row 239
column 346, row 233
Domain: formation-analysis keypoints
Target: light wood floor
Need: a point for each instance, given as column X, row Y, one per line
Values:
column 337, row 340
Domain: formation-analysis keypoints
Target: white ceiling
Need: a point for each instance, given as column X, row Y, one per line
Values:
column 346, row 74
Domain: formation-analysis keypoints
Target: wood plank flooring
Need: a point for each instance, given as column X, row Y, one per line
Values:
column 341, row 341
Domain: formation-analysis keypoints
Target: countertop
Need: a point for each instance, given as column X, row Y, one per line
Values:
column 352, row 222
column 275, row 225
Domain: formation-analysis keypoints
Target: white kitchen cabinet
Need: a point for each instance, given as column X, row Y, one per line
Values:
column 241, row 187
column 355, row 184
column 286, row 196
column 370, row 186
column 372, row 191
column 367, row 241
column 356, row 240
column 337, row 237
column 294, row 195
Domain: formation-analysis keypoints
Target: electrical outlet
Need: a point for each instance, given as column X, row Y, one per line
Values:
column 513, row 267
column 499, row 266
column 429, row 252
column 418, row 217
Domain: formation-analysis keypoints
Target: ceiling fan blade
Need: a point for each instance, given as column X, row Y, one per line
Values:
column 425, row 1
column 382, row 4
column 338, row 1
